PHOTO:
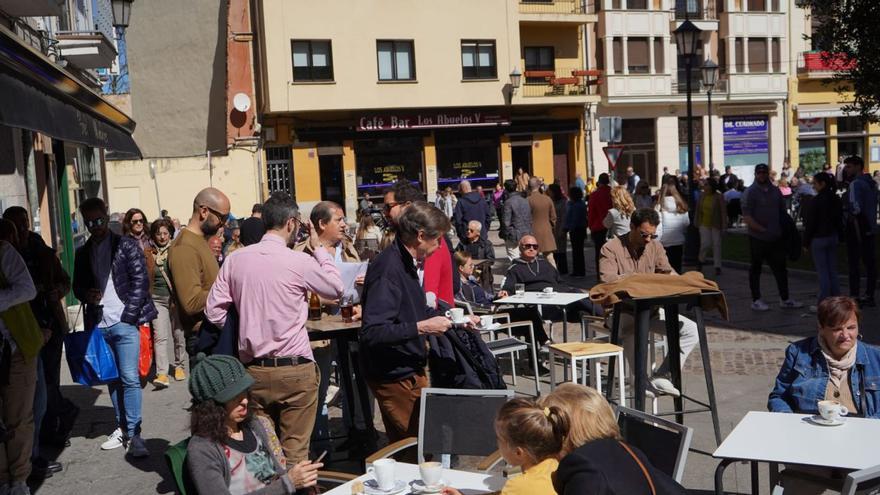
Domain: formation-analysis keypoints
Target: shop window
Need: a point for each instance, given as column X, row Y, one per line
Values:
column 478, row 59
column 812, row 155
column 312, row 60
column 638, row 55
column 381, row 162
column 811, row 127
column 396, row 60
column 462, row 156
column 849, row 125
column 278, row 170
column 538, row 58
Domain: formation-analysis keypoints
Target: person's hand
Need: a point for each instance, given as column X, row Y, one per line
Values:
column 448, row 490
column 93, row 296
column 435, row 325
column 304, row 473
column 473, row 321
column 314, row 242
column 502, row 294
column 359, row 280
column 356, row 313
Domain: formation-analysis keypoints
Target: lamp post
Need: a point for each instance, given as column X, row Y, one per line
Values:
column 710, row 77
column 515, row 80
column 121, row 15
column 589, row 126
column 686, row 38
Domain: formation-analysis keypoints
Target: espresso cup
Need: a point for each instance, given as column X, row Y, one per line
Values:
column 456, row 315
column 383, row 471
column 832, row 410
column 486, row 321
column 432, row 473
column 548, row 290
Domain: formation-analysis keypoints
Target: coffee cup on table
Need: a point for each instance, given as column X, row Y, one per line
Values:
column 456, row 315
column 832, row 410
column 548, row 290
column 486, row 321
column 432, row 473
column 383, row 471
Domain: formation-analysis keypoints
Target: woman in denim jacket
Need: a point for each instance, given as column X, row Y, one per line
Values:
column 834, row 365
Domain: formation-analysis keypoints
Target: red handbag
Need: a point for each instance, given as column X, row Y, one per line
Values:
column 145, row 361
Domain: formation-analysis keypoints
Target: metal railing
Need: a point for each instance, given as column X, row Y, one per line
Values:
column 568, row 81
column 557, row 7
column 695, row 10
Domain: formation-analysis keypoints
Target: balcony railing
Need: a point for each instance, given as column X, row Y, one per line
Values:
column 825, row 62
column 680, row 87
column 557, row 6
column 695, row 10
column 561, row 82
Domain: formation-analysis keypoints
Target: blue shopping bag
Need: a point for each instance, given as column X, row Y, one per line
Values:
column 90, row 359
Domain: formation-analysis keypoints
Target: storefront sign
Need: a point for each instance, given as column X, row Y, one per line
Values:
column 745, row 136
column 438, row 120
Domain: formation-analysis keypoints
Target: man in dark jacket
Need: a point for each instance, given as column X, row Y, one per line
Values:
column 397, row 320
column 478, row 247
column 110, row 278
column 516, row 219
column 471, row 206
column 860, row 213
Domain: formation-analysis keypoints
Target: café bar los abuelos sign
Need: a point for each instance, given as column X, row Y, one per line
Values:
column 431, row 120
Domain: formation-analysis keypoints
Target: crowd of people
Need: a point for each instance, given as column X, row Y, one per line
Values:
column 230, row 299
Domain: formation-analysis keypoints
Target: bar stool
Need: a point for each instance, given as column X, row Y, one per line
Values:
column 573, row 353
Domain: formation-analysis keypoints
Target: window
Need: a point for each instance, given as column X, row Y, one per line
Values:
column 637, row 55
column 757, row 5
column 312, row 60
column 739, row 54
column 539, row 58
column 776, row 53
column 849, row 125
column 617, row 54
column 478, row 59
column 278, row 170
column 397, row 60
column 659, row 46
column 758, row 56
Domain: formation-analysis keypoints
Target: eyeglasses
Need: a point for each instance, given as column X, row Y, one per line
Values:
column 221, row 216
column 389, row 206
column 139, row 220
column 646, row 235
column 529, row 246
column 98, row 222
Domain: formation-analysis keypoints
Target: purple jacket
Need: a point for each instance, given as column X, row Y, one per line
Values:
column 129, row 272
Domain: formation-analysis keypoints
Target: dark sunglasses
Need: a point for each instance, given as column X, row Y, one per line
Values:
column 221, row 216
column 389, row 206
column 139, row 220
column 98, row 222
column 530, row 246
column 645, row 235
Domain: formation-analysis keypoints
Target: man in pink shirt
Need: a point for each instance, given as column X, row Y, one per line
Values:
column 269, row 284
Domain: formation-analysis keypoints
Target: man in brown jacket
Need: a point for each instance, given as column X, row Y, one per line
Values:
column 543, row 219
column 639, row 252
column 192, row 264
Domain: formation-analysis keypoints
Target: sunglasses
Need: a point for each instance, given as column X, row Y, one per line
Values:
column 221, row 216
column 389, row 206
column 646, row 235
column 139, row 220
column 529, row 246
column 98, row 222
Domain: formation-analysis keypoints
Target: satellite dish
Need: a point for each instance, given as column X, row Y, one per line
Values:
column 241, row 102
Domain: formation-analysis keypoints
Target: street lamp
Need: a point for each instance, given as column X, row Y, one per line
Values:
column 515, row 79
column 710, row 77
column 687, row 37
column 121, row 14
column 589, row 126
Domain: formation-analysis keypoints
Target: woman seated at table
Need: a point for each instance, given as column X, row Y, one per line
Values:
column 481, row 301
column 594, row 458
column 833, row 365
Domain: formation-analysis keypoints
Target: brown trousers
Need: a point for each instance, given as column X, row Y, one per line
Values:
column 399, row 403
column 17, row 412
column 288, row 395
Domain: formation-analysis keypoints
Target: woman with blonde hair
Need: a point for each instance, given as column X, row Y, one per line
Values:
column 622, row 206
column 594, row 458
column 674, row 218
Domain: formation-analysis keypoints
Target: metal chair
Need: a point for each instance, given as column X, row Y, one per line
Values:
column 444, row 430
column 665, row 443
column 512, row 345
column 856, row 482
column 862, row 482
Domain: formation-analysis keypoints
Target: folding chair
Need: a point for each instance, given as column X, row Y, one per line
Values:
column 512, row 345
column 444, row 430
column 664, row 443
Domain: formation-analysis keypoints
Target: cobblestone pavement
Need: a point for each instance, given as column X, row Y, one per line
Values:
column 746, row 353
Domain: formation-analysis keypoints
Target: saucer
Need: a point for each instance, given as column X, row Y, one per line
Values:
column 371, row 487
column 492, row 326
column 819, row 420
column 419, row 487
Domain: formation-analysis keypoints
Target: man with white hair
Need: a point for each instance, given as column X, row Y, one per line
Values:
column 478, row 247
column 471, row 206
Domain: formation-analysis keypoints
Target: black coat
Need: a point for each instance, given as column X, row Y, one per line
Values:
column 471, row 206
column 604, row 467
column 460, row 359
column 824, row 217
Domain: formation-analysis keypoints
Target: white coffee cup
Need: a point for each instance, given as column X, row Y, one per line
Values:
column 548, row 290
column 432, row 473
column 832, row 410
column 383, row 471
column 486, row 321
column 456, row 315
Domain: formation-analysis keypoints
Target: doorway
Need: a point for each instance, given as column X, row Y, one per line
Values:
column 561, row 173
column 522, row 158
column 331, row 178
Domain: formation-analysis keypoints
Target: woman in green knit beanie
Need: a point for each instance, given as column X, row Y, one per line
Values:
column 231, row 450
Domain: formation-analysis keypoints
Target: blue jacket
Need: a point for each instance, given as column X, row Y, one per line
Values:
column 861, row 203
column 471, row 206
column 802, row 381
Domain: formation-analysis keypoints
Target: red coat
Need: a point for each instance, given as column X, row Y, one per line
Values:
column 597, row 207
column 438, row 273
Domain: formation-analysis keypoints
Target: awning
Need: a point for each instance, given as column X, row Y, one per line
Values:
column 818, row 111
column 37, row 95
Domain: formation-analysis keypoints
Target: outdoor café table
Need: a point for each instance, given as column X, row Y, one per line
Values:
column 547, row 299
column 641, row 308
column 785, row 438
column 465, row 481
column 332, row 327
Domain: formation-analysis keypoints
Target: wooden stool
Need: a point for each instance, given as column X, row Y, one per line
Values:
column 574, row 352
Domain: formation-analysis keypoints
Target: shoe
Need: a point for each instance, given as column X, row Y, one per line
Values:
column 759, row 305
column 137, row 448
column 717, row 271
column 664, row 386
column 44, row 468
column 161, row 381
column 19, row 488
column 114, row 441
column 790, row 304
column 179, row 374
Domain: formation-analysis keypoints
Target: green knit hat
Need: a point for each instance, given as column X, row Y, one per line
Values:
column 218, row 378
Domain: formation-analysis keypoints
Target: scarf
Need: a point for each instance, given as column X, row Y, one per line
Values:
column 838, row 368
column 161, row 255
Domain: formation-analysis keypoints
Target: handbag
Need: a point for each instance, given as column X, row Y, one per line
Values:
column 145, row 358
column 90, row 359
column 22, row 324
column 642, row 466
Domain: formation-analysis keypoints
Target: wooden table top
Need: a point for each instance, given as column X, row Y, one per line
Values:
column 331, row 322
column 579, row 349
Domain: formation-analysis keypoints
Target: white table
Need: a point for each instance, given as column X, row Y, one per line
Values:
column 781, row 438
column 467, row 482
column 562, row 299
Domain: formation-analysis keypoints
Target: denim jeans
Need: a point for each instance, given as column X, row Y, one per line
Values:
column 125, row 341
column 824, row 252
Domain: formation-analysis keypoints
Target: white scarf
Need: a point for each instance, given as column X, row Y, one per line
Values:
column 838, row 368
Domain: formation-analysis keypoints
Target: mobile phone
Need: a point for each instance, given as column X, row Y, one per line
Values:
column 320, row 457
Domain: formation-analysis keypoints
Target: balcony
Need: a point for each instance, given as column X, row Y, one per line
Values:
column 648, row 87
column 561, row 83
column 697, row 88
column 564, row 11
column 86, row 49
column 701, row 13
column 823, row 65
column 32, row 8
column 762, row 85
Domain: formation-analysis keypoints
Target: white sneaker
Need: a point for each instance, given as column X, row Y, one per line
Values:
column 790, row 304
column 19, row 488
column 137, row 448
column 664, row 386
column 759, row 305
column 114, row 441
